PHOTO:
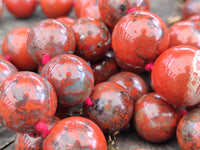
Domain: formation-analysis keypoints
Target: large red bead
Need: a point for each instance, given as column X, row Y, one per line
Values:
column 111, row 11
column 191, row 8
column 75, row 133
column 132, row 82
column 6, row 69
column 176, row 76
column 185, row 33
column 188, row 131
column 112, row 108
column 26, row 99
column 56, row 8
column 49, row 37
column 138, row 38
column 14, row 46
column 71, row 77
column 21, row 8
column 92, row 38
column 155, row 120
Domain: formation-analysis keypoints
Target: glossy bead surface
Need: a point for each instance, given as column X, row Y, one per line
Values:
column 56, row 8
column 6, row 69
column 92, row 38
column 71, row 77
column 112, row 108
column 27, row 98
column 104, row 68
column 132, row 82
column 138, row 38
column 49, row 37
column 155, row 120
column 14, row 46
column 175, row 76
column 75, row 133
column 191, row 8
column 67, row 21
column 21, row 8
column 112, row 11
column 185, row 33
column 188, row 131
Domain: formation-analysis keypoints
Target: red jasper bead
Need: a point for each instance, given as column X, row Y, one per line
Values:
column 191, row 8
column 27, row 99
column 132, row 82
column 56, row 8
column 14, row 46
column 21, row 8
column 112, row 11
column 66, row 21
column 1, row 7
column 105, row 68
column 75, row 133
column 49, row 37
column 188, row 131
column 138, row 38
column 92, row 38
column 71, row 77
column 176, row 76
column 112, row 108
column 6, row 69
column 185, row 33
column 28, row 141
column 81, row 4
column 155, row 120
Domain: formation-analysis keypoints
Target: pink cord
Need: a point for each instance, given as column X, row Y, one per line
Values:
column 42, row 128
column 73, row 4
column 183, row 112
column 149, row 66
column 45, row 59
column 131, row 10
column 8, row 58
column 89, row 102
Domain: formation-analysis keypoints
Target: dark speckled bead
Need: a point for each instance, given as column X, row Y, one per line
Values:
column 112, row 108
column 188, row 131
column 155, row 120
column 132, row 82
column 92, row 38
column 50, row 37
column 112, row 10
column 71, row 77
column 104, row 68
